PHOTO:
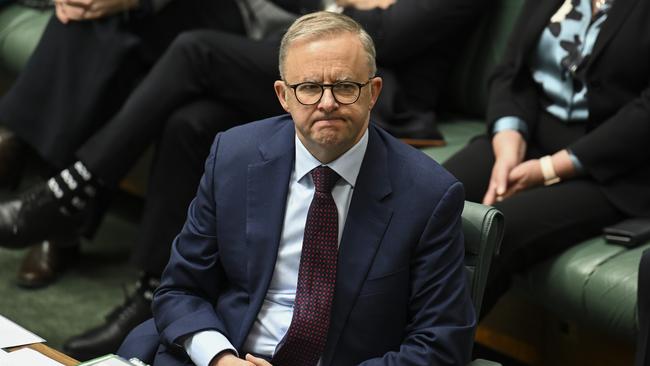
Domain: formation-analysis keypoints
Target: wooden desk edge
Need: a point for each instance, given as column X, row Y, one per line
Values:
column 49, row 352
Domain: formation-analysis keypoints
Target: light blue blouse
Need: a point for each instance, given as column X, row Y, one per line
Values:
column 563, row 48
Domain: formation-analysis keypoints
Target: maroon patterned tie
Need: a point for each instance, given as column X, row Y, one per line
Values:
column 305, row 339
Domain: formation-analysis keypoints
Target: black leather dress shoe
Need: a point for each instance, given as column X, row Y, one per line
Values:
column 12, row 158
column 46, row 261
column 107, row 337
column 34, row 216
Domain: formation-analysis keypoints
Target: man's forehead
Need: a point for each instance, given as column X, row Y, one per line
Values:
column 315, row 59
column 325, row 74
column 348, row 39
column 310, row 38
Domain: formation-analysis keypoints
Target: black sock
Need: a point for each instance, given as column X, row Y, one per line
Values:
column 73, row 188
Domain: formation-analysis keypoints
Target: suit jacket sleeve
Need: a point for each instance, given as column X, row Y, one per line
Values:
column 512, row 90
column 442, row 319
column 184, row 302
column 408, row 26
column 620, row 143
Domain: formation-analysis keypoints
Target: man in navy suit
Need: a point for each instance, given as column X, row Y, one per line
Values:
column 231, row 292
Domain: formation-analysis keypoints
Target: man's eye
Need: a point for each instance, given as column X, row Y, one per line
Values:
column 309, row 88
column 345, row 88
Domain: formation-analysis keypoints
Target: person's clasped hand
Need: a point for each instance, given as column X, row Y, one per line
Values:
column 524, row 176
column 509, row 149
column 77, row 10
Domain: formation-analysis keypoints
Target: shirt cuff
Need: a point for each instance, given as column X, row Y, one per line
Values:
column 577, row 165
column 511, row 123
column 203, row 346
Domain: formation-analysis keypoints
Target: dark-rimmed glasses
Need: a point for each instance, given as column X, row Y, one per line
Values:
column 344, row 92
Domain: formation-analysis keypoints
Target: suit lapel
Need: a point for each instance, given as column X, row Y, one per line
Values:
column 267, row 187
column 615, row 19
column 367, row 220
column 540, row 16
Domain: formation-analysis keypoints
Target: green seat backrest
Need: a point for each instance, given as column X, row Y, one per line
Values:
column 467, row 90
column 483, row 231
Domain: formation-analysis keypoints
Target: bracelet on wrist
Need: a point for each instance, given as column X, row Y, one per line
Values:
column 548, row 171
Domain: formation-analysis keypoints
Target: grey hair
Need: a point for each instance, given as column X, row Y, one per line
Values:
column 326, row 24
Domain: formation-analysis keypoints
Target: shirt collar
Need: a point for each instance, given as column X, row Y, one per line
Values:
column 346, row 165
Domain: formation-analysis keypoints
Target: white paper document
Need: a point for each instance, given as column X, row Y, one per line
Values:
column 26, row 356
column 12, row 334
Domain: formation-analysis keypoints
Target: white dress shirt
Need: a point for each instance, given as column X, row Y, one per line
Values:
column 275, row 315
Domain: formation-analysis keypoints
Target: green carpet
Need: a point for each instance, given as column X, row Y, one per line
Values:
column 83, row 295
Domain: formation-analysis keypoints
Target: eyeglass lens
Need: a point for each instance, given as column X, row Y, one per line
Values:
column 344, row 92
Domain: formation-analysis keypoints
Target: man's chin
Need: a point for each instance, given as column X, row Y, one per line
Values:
column 329, row 140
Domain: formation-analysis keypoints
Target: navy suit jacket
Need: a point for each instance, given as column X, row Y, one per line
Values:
column 401, row 296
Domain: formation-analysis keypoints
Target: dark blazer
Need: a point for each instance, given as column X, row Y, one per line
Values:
column 91, row 67
column 417, row 42
column 400, row 296
column 614, row 150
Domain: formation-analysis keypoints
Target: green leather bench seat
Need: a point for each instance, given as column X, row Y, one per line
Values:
column 592, row 283
column 20, row 29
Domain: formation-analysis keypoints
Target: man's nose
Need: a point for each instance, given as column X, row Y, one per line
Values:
column 327, row 101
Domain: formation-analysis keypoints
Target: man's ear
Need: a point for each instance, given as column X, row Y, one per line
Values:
column 375, row 89
column 282, row 92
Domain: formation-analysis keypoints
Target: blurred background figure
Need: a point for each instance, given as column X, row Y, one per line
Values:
column 566, row 151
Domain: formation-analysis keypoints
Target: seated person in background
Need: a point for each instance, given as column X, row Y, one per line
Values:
column 219, row 80
column 569, row 124
column 316, row 235
column 91, row 55
column 203, row 63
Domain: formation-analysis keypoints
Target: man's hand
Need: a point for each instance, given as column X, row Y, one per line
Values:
column 229, row 359
column 257, row 361
column 509, row 149
column 76, row 10
column 365, row 4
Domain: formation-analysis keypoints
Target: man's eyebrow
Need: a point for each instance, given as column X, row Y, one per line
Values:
column 319, row 80
column 311, row 80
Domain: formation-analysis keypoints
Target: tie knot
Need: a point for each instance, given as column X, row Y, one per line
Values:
column 324, row 178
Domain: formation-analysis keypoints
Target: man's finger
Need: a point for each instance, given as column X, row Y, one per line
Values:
column 257, row 361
